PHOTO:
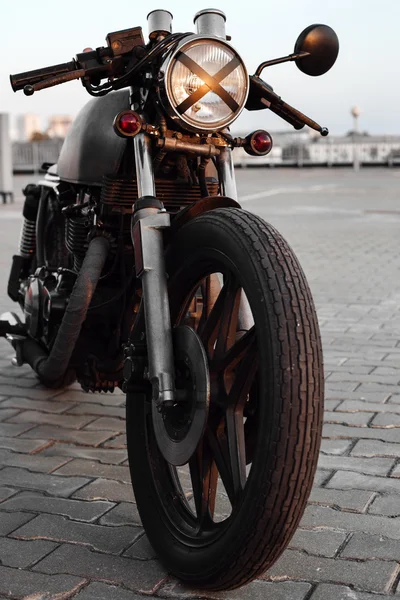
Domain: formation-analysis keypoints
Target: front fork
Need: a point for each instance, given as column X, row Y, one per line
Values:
column 148, row 220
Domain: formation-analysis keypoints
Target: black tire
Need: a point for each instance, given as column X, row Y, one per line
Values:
column 284, row 437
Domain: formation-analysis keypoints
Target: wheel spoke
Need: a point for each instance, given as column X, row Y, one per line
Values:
column 204, row 477
column 219, row 447
column 235, row 353
column 210, row 289
column 228, row 448
column 229, row 318
column 244, row 378
column 237, row 449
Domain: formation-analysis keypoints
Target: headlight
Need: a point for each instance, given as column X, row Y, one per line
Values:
column 205, row 84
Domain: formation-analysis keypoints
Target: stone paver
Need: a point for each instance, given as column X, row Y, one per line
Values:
column 57, row 486
column 363, row 546
column 69, row 525
column 88, row 468
column 344, row 480
column 139, row 576
column 353, row 500
column 371, row 466
column 60, row 529
column 386, row 505
column 24, row 583
column 340, row 592
column 61, row 434
column 257, row 590
column 21, row 445
column 326, row 517
column 102, row 591
column 370, row 449
column 372, row 575
column 32, row 462
column 78, row 510
column 106, row 456
column 6, row 492
column 9, row 522
column 125, row 513
column 318, row 542
column 21, row 553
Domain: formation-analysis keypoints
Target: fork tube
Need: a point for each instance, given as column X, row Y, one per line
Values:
column 144, row 165
column 227, row 173
column 228, row 182
column 149, row 219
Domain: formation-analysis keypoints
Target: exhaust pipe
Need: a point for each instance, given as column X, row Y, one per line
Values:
column 53, row 367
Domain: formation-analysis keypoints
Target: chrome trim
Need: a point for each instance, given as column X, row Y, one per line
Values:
column 156, row 304
column 227, row 173
column 144, row 165
column 159, row 22
column 164, row 93
column 151, row 222
column 210, row 21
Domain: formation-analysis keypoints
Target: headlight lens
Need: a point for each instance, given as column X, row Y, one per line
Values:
column 206, row 84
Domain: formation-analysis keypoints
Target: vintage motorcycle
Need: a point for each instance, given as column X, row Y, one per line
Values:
column 138, row 268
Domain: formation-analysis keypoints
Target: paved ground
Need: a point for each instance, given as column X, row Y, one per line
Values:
column 68, row 522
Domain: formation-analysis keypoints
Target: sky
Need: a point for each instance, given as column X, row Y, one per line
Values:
column 41, row 33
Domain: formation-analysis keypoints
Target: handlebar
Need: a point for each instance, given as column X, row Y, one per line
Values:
column 93, row 65
column 267, row 97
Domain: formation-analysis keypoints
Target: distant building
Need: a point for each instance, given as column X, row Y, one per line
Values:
column 26, row 125
column 58, row 126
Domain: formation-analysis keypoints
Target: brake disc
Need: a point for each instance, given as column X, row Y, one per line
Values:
column 179, row 429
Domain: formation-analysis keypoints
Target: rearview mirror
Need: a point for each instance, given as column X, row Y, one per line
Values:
column 322, row 44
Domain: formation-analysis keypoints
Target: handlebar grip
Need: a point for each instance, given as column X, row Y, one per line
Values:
column 20, row 80
column 286, row 115
column 46, row 83
column 262, row 92
column 304, row 119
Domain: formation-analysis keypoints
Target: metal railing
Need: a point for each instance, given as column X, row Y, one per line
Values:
column 28, row 156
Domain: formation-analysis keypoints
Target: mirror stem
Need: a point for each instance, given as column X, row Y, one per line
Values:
column 278, row 61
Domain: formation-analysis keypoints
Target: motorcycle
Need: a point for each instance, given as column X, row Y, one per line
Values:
column 138, row 269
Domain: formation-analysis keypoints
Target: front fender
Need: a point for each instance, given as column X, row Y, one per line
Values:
column 197, row 208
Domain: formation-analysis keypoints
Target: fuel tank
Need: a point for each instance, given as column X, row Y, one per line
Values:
column 91, row 148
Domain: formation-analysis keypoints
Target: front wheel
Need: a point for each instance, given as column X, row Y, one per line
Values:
column 226, row 516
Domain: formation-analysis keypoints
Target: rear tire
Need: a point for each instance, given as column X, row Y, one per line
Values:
column 281, row 428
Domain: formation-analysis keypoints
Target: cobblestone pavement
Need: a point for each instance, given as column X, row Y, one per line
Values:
column 68, row 524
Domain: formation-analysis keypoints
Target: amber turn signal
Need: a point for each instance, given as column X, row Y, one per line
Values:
column 127, row 123
column 258, row 143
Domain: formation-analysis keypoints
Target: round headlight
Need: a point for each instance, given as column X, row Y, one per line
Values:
column 205, row 84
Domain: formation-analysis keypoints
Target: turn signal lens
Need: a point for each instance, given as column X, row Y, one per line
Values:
column 258, row 143
column 127, row 123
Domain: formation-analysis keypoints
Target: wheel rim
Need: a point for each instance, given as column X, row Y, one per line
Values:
column 202, row 499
